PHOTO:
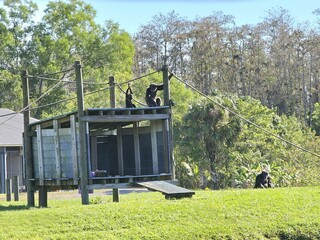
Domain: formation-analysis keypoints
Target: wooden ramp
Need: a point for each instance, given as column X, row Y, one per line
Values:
column 168, row 189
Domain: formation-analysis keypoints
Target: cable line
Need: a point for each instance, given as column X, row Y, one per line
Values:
column 54, row 103
column 26, row 107
column 51, row 79
column 126, row 82
column 54, row 73
column 246, row 120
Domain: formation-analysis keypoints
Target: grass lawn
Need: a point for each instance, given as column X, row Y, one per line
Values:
column 280, row 213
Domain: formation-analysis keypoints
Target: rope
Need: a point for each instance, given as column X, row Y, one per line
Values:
column 126, row 82
column 54, row 73
column 54, row 103
column 246, row 120
column 51, row 79
column 24, row 109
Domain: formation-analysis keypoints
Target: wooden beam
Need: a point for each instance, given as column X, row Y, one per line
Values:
column 124, row 118
column 94, row 151
column 57, row 150
column 166, row 145
column 154, row 148
column 40, row 154
column 15, row 188
column 167, row 102
column 120, row 151
column 43, row 196
column 74, row 148
column 82, row 137
column 136, row 148
column 166, row 86
column 115, row 193
column 8, row 189
column 27, row 140
column 112, row 92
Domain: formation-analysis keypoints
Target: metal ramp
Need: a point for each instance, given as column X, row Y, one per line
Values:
column 169, row 190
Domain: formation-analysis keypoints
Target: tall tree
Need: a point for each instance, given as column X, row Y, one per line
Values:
column 209, row 37
column 161, row 41
column 66, row 33
column 206, row 140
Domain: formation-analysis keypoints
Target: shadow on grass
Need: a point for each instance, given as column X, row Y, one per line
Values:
column 13, row 208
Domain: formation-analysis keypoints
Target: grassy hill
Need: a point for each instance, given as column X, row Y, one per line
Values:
column 281, row 213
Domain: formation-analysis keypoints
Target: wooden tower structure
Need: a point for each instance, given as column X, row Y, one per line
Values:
column 98, row 148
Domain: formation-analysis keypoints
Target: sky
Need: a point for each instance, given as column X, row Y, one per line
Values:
column 131, row 14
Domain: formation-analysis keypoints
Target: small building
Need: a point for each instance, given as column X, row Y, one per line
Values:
column 11, row 150
column 123, row 145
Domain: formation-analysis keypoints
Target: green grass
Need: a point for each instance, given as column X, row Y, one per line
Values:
column 283, row 213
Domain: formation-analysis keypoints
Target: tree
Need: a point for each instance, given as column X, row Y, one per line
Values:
column 10, row 89
column 66, row 33
column 206, row 141
column 161, row 41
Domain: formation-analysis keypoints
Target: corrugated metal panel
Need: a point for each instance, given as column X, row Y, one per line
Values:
column 48, row 154
column 11, row 128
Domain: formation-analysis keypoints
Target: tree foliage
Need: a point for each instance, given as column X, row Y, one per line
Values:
column 220, row 150
column 66, row 33
column 275, row 61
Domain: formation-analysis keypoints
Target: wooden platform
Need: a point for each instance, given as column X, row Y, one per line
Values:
column 168, row 189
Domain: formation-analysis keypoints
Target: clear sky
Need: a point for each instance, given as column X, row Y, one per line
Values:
column 130, row 14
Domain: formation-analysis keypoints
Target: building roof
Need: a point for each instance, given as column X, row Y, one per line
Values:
column 11, row 128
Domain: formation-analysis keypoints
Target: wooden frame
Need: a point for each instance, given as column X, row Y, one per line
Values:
column 82, row 124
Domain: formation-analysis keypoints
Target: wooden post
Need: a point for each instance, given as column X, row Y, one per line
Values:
column 56, row 138
column 120, row 150
column 166, row 86
column 43, row 196
column 8, row 189
column 112, row 92
column 154, row 148
column 40, row 154
column 166, row 145
column 115, row 193
column 15, row 187
column 27, row 139
column 136, row 148
column 3, row 171
column 166, row 96
column 82, row 137
column 74, row 149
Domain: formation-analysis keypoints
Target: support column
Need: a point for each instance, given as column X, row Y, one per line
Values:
column 15, row 188
column 166, row 147
column 154, row 148
column 166, row 89
column 112, row 92
column 136, row 148
column 8, row 189
column 27, row 139
column 115, row 194
column 120, row 151
column 82, row 137
column 43, row 196
column 3, row 172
